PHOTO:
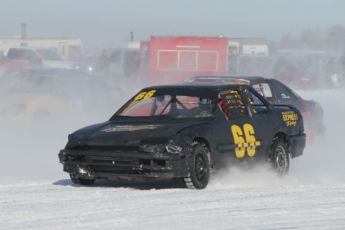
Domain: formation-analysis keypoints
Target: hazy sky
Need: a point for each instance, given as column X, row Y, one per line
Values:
column 101, row 22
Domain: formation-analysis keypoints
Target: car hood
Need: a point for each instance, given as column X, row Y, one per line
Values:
column 117, row 133
column 17, row 98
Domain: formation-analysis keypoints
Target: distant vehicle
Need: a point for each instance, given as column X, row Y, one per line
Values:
column 67, row 48
column 113, row 75
column 38, row 56
column 7, row 64
column 248, row 46
column 276, row 93
column 31, row 96
column 187, row 131
column 88, row 65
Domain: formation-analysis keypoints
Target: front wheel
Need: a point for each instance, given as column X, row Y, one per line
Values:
column 199, row 169
column 280, row 157
column 77, row 180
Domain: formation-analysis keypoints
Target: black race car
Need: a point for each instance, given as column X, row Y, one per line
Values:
column 184, row 131
column 277, row 93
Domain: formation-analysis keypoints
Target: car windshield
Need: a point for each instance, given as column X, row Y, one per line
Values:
column 152, row 104
column 48, row 55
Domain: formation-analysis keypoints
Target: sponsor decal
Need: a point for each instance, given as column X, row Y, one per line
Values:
column 290, row 118
column 285, row 96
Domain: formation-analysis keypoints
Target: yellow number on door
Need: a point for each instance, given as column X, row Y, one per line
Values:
column 250, row 141
column 239, row 140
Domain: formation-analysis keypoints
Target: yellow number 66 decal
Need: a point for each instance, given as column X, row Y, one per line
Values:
column 245, row 140
column 144, row 95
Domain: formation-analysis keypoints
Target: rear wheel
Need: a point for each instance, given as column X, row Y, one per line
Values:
column 77, row 180
column 199, row 169
column 280, row 157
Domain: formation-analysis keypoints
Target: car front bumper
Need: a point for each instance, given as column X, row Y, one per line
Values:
column 124, row 165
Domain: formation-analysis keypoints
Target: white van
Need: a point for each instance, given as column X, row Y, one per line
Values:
column 67, row 48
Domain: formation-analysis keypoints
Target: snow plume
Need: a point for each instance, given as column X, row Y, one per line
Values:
column 324, row 159
column 36, row 118
column 238, row 177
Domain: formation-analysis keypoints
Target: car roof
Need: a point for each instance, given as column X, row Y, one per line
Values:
column 245, row 77
column 47, row 71
column 251, row 79
column 213, row 87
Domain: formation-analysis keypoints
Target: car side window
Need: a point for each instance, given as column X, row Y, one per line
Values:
column 264, row 90
column 232, row 105
column 284, row 96
column 257, row 105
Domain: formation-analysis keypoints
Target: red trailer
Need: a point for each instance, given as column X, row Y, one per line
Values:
column 174, row 59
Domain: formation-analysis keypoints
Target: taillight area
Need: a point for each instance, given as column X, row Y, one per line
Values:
column 306, row 114
column 317, row 105
column 305, row 103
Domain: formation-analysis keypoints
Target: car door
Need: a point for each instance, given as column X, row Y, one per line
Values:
column 243, row 135
column 262, row 119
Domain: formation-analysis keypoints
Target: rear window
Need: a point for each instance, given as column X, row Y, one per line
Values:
column 284, row 96
column 264, row 90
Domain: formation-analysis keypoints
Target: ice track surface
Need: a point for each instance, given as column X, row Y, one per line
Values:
column 36, row 194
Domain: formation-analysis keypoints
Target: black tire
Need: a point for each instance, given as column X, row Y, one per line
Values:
column 77, row 180
column 199, row 169
column 280, row 158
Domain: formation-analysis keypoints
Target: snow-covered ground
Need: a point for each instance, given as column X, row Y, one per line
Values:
column 36, row 194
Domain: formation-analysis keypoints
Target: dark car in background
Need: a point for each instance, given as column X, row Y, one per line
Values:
column 88, row 65
column 276, row 93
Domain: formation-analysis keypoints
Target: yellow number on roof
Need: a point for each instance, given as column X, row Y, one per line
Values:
column 144, row 95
